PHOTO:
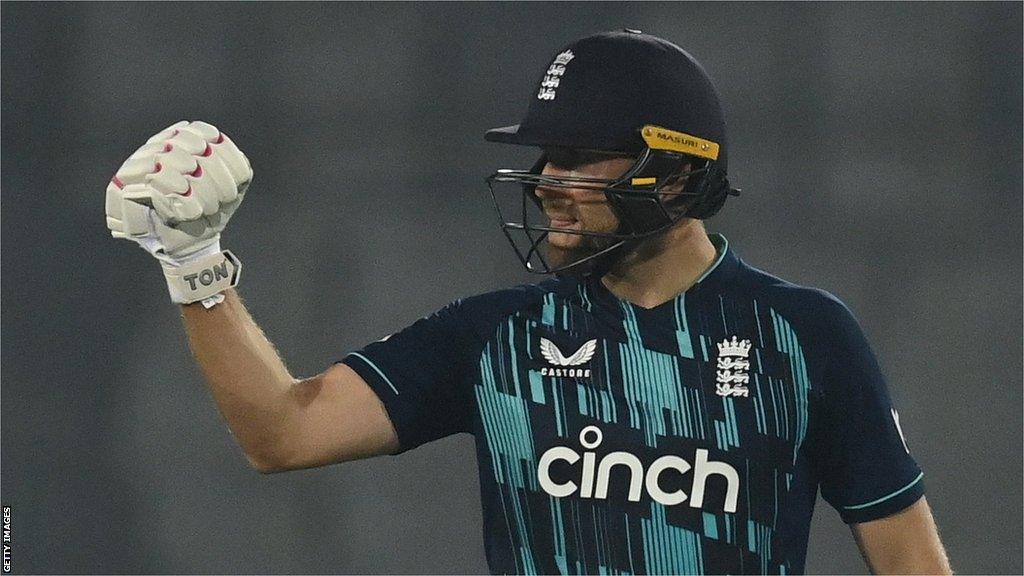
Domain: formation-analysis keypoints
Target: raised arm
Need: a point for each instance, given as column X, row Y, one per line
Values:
column 905, row 543
column 283, row 423
column 173, row 197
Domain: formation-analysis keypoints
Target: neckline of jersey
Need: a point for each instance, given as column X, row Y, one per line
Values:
column 719, row 272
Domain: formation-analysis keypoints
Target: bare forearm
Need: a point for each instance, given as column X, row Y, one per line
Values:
column 244, row 373
column 904, row 543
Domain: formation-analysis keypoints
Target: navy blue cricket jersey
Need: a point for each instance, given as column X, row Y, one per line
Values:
column 687, row 438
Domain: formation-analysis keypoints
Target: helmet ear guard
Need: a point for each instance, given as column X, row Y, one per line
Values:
column 642, row 199
column 640, row 210
column 711, row 192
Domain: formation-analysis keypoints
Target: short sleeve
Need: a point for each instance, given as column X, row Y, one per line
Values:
column 420, row 375
column 864, row 465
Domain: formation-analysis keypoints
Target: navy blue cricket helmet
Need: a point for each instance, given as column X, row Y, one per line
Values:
column 630, row 94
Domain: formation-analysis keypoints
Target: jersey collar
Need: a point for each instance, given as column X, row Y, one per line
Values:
column 722, row 270
column 716, row 277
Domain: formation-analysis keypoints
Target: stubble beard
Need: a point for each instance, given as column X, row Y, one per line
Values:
column 558, row 256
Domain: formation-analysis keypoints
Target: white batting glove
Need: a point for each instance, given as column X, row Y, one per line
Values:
column 173, row 196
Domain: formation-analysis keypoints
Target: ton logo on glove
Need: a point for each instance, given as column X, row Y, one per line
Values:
column 173, row 196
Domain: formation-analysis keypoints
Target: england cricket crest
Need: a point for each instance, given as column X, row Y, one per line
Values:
column 553, row 76
column 733, row 368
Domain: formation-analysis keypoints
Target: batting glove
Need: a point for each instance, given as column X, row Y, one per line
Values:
column 173, row 197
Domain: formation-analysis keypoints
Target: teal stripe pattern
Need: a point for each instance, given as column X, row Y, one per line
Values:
column 607, row 544
column 729, row 520
column 652, row 383
column 595, row 399
column 536, row 387
column 548, row 311
column 558, row 530
column 536, row 380
column 760, row 418
column 683, row 336
column 670, row 549
column 786, row 342
column 760, row 334
column 585, row 303
column 506, row 423
column 513, row 359
column 710, row 525
column 721, row 307
column 597, row 404
column 629, row 544
column 759, row 541
column 558, row 398
column 727, row 431
column 780, row 412
column 887, row 497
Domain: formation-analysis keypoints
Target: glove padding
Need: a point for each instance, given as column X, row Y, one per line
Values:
column 174, row 195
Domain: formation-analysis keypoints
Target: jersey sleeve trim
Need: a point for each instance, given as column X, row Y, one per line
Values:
column 397, row 408
column 889, row 497
column 375, row 369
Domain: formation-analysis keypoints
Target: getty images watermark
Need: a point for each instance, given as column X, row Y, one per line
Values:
column 7, row 539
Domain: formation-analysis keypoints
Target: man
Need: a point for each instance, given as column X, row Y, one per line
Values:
column 657, row 407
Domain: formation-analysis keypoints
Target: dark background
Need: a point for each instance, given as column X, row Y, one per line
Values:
column 879, row 147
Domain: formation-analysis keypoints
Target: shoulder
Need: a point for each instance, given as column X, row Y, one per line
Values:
column 784, row 292
column 811, row 310
column 510, row 298
column 486, row 309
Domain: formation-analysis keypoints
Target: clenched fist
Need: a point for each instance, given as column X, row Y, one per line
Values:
column 173, row 196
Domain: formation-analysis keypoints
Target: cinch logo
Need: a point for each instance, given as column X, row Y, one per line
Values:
column 553, row 355
column 702, row 469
